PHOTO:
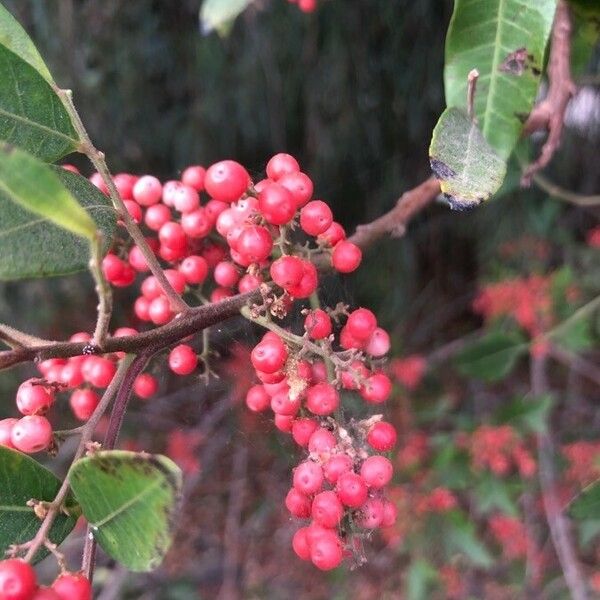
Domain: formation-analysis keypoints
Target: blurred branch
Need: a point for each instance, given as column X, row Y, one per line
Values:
column 559, row 528
column 549, row 113
column 394, row 222
column 563, row 194
column 579, row 364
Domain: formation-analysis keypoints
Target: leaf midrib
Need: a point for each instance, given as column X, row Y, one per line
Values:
column 44, row 128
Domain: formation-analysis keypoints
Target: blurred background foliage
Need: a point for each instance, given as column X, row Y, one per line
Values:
column 353, row 91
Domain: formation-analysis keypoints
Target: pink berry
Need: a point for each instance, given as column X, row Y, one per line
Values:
column 283, row 403
column 326, row 552
column 336, row 466
column 308, row 283
column 379, row 343
column 255, row 243
column 134, row 210
column 332, row 235
column 73, row 586
column 276, row 204
column 6, row 427
column 269, row 355
column 327, row 510
column 321, row 441
column 45, row 593
column 33, row 398
column 194, row 177
column 194, row 269
column 145, row 385
column 351, row 489
column 156, row 216
column 298, row 504
column 377, row 471
column 83, row 403
column 226, row 274
column 257, row 399
column 197, row 224
column 346, row 257
column 183, row 359
column 172, row 236
column 287, row 271
column 382, row 436
column 147, row 190
column 300, row 544
column 308, row 477
column 371, row 513
column 299, row 185
column 186, row 199
column 31, row 434
column 160, row 311
column 226, row 180
column 249, row 283
column 322, row 399
column 318, row 324
column 377, row 388
column 17, row 580
column 361, row 324
column 284, row 423
column 280, row 165
column 302, row 429
column 390, row 514
column 101, row 372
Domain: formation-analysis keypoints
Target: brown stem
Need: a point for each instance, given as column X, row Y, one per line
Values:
column 549, row 113
column 557, row 522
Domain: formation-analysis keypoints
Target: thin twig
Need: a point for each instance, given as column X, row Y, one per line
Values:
column 563, row 194
column 550, row 113
column 559, row 527
column 579, row 364
column 103, row 291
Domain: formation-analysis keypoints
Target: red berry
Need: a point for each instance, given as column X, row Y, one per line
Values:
column 280, row 165
column 172, row 236
column 284, row 423
column 194, row 177
column 249, row 283
column 226, row 180
column 183, row 359
column 371, row 513
column 112, row 267
column 147, row 190
column 255, row 243
column 315, row 217
column 287, row 271
column 45, row 593
column 382, row 436
column 390, row 514
column 346, row 257
column 185, row 199
column 31, row 434
column 336, row 466
column 318, row 324
column 134, row 210
column 300, row 186
column 308, row 477
column 377, row 388
column 283, row 403
column 176, row 279
column 33, row 398
column 335, row 233
column 194, row 269
column 322, row 399
column 156, row 216
column 361, row 324
column 302, row 429
column 101, row 372
column 351, row 489
column 326, row 552
column 377, row 471
column 321, row 441
column 83, row 403
column 257, row 399
column 226, row 274
column 17, row 580
column 141, row 308
column 97, row 180
column 276, row 204
column 327, row 510
column 300, row 544
column 308, row 283
column 145, row 385
column 298, row 504
column 137, row 260
column 379, row 343
column 160, row 311
column 269, row 355
column 197, row 224
column 6, row 427
column 124, row 183
column 73, row 586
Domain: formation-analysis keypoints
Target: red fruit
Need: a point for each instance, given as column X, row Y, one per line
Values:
column 101, row 372
column 185, row 199
column 194, row 177
column 269, row 355
column 336, row 466
column 249, row 283
column 147, row 190
column 371, row 513
column 327, row 510
column 137, row 260
column 45, row 593
column 96, row 179
column 72, row 586
column 352, row 378
column 134, row 210
column 307, row 6
column 379, row 343
column 300, row 186
column 226, row 274
column 226, row 180
column 172, row 236
column 322, row 441
column 160, row 311
column 33, row 398
column 220, row 293
column 284, row 423
column 346, row 257
column 377, row 471
column 281, row 164
column 255, row 243
column 197, row 224
column 124, row 183
column 390, row 514
column 257, row 399
column 287, row 271
column 315, row 217
column 326, row 552
column 183, row 359
column 382, row 436
column 31, row 434
column 322, row 399
column 302, row 429
column 145, row 385
column 176, row 279
column 283, row 403
column 308, row 283
column 335, row 233
column 276, row 204
column 361, row 324
column 308, row 477
column 17, row 580
column 300, row 544
column 156, row 216
column 141, row 308
column 377, row 388
column 6, row 427
column 194, row 269
column 151, row 288
column 318, row 324
column 298, row 504
column 83, row 403
column 112, row 267
column 351, row 489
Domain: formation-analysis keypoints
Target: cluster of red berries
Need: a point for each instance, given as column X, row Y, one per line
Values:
column 339, row 485
column 511, row 534
column 81, row 376
column 583, row 462
column 18, row 581
column 306, row 6
column 499, row 449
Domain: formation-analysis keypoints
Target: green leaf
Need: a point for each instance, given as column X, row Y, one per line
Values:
column 492, row 357
column 130, row 500
column 577, row 336
column 461, row 537
column 32, row 116
column 31, row 246
column 419, row 579
column 587, row 504
column 492, row 494
column 589, row 530
column 505, row 41
column 14, row 37
column 219, row 15
column 528, row 415
column 21, row 479
column 469, row 170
